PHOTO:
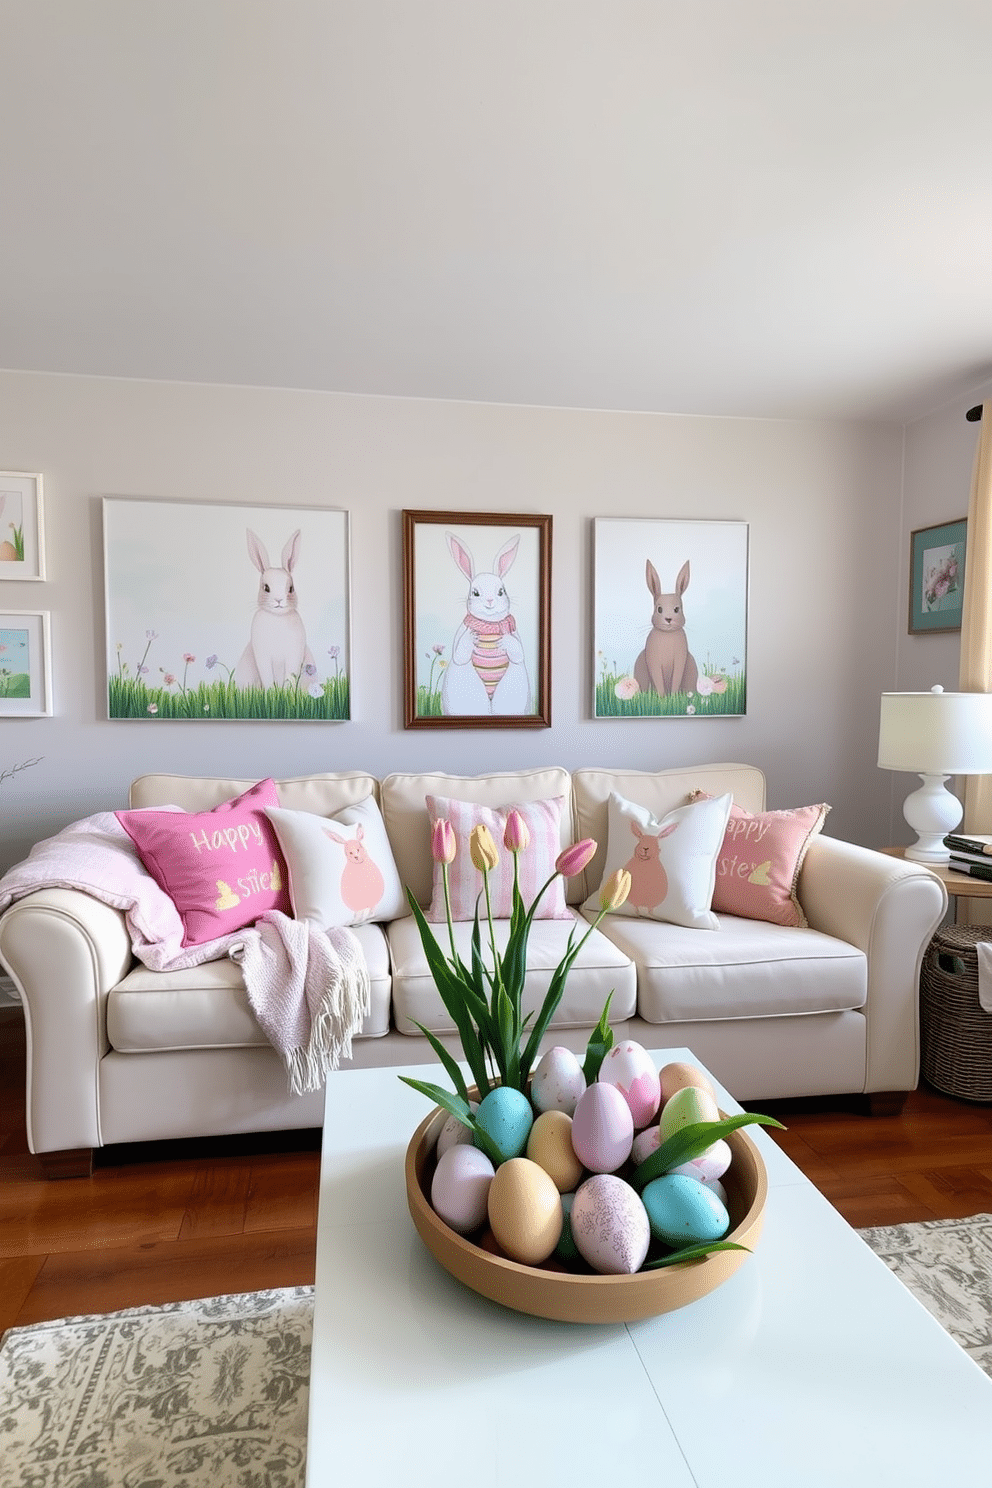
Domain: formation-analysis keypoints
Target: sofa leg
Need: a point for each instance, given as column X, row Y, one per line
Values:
column 69, row 1162
column 886, row 1102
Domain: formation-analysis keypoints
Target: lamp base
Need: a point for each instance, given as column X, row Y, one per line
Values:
column 932, row 812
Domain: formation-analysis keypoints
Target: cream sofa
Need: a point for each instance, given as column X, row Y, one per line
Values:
column 118, row 1053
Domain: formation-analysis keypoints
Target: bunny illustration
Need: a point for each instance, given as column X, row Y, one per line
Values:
column 487, row 672
column 666, row 665
column 362, row 884
column 648, row 879
column 277, row 650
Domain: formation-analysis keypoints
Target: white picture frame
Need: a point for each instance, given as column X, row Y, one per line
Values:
column 25, row 664
column 22, row 526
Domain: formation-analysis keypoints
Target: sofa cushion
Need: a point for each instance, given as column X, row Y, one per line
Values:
column 671, row 859
column 757, row 871
column 222, row 869
column 536, row 862
column 207, row 1007
column 751, row 969
column 599, row 970
column 341, row 869
column 323, row 794
column 404, row 809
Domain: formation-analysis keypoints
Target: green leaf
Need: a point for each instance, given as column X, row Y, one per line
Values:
column 689, row 1141
column 454, row 1073
column 599, row 1045
column 693, row 1253
column 441, row 1097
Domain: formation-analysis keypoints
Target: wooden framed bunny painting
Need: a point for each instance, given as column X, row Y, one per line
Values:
column 476, row 588
column 670, row 618
column 221, row 612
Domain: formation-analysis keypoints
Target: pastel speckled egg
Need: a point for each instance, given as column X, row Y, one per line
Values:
column 686, row 1107
column 524, row 1211
column 677, row 1075
column 712, row 1163
column 631, row 1069
column 550, row 1146
column 454, row 1131
column 557, row 1081
column 602, row 1129
column 683, row 1211
column 645, row 1143
column 506, row 1116
column 460, row 1188
column 610, row 1225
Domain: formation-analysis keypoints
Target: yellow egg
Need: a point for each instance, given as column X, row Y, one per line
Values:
column 524, row 1211
column 550, row 1146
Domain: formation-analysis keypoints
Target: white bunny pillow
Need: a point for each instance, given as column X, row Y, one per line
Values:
column 341, row 868
column 671, row 861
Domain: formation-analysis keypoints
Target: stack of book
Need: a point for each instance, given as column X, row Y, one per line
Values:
column 971, row 855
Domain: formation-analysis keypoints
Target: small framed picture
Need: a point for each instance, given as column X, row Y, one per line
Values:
column 22, row 531
column 936, row 577
column 25, row 664
column 477, row 620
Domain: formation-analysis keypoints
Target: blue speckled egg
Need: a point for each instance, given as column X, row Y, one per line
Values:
column 683, row 1211
column 506, row 1116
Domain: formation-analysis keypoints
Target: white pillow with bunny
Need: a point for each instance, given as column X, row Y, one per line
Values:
column 341, row 868
column 671, row 861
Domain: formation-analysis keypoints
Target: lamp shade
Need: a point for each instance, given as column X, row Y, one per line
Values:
column 936, row 732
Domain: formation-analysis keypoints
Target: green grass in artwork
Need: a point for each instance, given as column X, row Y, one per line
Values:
column 711, row 704
column 15, row 684
column 131, row 697
column 429, row 702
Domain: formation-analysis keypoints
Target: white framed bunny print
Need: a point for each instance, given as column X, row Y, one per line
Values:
column 22, row 526
column 670, row 618
column 220, row 611
column 476, row 604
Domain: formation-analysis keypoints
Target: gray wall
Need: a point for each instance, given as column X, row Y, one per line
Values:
column 828, row 540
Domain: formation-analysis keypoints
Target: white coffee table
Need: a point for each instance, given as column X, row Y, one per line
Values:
column 812, row 1367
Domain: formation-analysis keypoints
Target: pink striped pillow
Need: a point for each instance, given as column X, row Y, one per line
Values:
column 537, row 861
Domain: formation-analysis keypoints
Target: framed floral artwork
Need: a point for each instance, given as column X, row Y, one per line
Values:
column 22, row 526
column 25, row 664
column 219, row 612
column 936, row 577
column 477, row 623
column 670, row 618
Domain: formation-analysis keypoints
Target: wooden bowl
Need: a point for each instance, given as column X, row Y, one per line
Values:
column 571, row 1297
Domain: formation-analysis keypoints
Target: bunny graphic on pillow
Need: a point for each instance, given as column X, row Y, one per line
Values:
column 648, row 879
column 362, row 884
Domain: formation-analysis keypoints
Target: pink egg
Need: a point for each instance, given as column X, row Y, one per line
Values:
column 460, row 1188
column 645, row 1143
column 602, row 1129
column 631, row 1069
column 610, row 1225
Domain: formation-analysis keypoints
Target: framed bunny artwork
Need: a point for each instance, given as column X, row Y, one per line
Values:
column 477, row 620
column 22, row 526
column 670, row 627
column 226, row 612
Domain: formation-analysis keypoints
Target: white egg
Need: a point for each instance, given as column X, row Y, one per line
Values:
column 610, row 1225
column 631, row 1069
column 557, row 1081
column 460, row 1188
column 454, row 1131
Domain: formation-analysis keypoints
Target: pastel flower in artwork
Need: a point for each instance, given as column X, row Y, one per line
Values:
column 168, row 678
column 334, row 652
column 153, row 707
column 309, row 670
column 151, row 635
column 626, row 688
column 443, row 842
column 316, row 691
column 188, row 657
column 482, row 848
column 705, row 685
column 690, row 709
column 575, row 858
column 516, row 836
column 438, row 650
column 211, row 662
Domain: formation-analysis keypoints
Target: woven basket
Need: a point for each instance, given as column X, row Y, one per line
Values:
column 955, row 1031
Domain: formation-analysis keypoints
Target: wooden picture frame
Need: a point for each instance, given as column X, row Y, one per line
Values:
column 25, row 664
column 936, row 577
column 226, row 612
column 22, row 526
column 483, row 660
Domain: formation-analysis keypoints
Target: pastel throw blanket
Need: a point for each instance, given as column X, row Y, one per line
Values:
column 308, row 988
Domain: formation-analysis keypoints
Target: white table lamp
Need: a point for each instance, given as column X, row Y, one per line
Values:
column 936, row 734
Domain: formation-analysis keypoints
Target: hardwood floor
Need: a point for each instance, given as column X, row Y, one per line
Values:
column 177, row 1220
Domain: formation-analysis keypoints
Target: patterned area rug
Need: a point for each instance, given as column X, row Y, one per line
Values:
column 209, row 1394
column 947, row 1264
column 213, row 1394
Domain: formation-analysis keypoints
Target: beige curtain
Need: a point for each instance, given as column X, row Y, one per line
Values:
column 976, row 635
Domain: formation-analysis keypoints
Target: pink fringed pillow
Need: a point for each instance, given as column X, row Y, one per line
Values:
column 758, row 866
column 222, row 869
column 537, row 861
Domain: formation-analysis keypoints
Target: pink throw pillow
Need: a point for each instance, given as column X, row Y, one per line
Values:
column 222, row 869
column 536, row 862
column 758, row 866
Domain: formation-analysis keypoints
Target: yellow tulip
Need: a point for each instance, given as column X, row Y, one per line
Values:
column 482, row 848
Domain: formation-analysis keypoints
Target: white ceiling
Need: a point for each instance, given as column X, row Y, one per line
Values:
column 751, row 207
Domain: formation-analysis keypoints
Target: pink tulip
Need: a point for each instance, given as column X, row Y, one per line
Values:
column 516, row 837
column 575, row 858
column 443, row 843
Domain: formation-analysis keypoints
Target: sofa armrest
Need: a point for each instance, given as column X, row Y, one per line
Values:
column 888, row 908
column 64, row 951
